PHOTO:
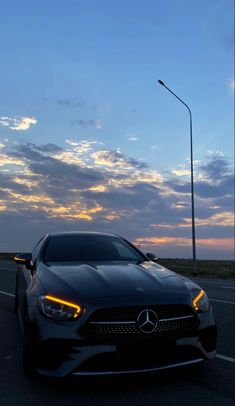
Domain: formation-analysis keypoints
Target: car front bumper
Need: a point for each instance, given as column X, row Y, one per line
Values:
column 59, row 350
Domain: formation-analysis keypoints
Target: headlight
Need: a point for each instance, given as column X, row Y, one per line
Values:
column 201, row 302
column 58, row 309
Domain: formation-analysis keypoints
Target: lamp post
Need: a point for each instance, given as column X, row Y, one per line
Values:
column 192, row 183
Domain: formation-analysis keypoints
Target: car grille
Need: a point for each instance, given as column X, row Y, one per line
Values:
column 122, row 322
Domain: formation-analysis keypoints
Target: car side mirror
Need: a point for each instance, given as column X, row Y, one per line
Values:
column 152, row 257
column 24, row 259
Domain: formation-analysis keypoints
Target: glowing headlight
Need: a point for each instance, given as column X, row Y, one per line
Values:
column 201, row 302
column 58, row 309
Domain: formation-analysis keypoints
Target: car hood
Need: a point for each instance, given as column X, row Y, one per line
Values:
column 110, row 279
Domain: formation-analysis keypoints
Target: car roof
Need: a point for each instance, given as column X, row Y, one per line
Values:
column 95, row 233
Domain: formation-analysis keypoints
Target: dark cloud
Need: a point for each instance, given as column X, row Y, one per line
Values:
column 219, row 180
column 216, row 169
column 3, row 193
column 141, row 204
column 224, row 187
column 70, row 102
column 137, row 197
column 31, row 151
column 58, row 177
column 7, row 182
column 226, row 202
column 204, row 189
column 119, row 159
column 47, row 148
column 86, row 123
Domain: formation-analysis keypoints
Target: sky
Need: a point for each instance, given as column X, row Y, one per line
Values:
column 90, row 141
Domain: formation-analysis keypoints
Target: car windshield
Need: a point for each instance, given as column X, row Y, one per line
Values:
column 85, row 248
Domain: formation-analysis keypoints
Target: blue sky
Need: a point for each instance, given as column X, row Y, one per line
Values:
column 86, row 72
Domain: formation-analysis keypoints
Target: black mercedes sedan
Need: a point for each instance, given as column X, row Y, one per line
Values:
column 93, row 304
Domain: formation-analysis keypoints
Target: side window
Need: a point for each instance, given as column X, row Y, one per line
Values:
column 36, row 249
column 123, row 251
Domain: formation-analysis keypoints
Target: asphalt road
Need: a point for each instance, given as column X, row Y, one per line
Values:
column 209, row 384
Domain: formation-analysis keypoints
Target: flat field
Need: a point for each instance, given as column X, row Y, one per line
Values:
column 208, row 268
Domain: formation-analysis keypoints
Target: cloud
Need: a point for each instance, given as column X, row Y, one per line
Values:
column 83, row 146
column 213, row 179
column 77, row 153
column 181, row 172
column 117, row 160
column 18, row 123
column 215, row 243
column 232, row 84
column 87, row 123
column 132, row 138
column 45, row 148
column 59, row 174
column 217, row 168
column 216, row 220
column 6, row 159
column 70, row 103
column 87, row 186
column 5, row 121
column 185, row 169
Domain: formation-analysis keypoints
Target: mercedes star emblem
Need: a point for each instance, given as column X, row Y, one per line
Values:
column 147, row 321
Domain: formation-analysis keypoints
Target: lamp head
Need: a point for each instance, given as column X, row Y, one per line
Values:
column 161, row 82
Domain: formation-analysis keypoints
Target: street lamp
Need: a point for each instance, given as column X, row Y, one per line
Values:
column 192, row 184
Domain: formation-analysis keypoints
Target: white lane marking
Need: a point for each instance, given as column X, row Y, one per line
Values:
column 6, row 293
column 228, row 287
column 221, row 301
column 224, row 357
